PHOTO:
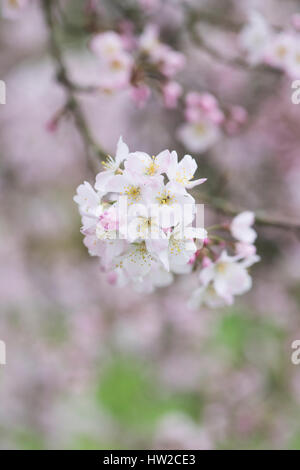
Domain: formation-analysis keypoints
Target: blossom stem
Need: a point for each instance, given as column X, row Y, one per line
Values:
column 218, row 227
column 216, row 238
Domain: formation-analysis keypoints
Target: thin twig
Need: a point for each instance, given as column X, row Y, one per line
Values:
column 221, row 21
column 260, row 218
column 193, row 18
column 63, row 78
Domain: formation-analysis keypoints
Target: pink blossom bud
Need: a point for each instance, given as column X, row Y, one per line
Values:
column 192, row 259
column 239, row 114
column 108, row 220
column 193, row 114
column 112, row 277
column 171, row 92
column 206, row 241
column 140, row 94
column 231, row 127
column 127, row 34
column 206, row 262
column 208, row 102
column 296, row 21
column 172, row 61
column 216, row 116
column 51, row 126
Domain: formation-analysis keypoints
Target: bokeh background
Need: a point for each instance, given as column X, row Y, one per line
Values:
column 90, row 366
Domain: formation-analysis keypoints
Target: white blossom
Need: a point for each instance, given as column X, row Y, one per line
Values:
column 198, row 136
column 222, row 280
column 241, row 227
column 255, row 37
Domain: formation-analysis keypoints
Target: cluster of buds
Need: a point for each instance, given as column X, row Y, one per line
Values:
column 206, row 121
column 203, row 117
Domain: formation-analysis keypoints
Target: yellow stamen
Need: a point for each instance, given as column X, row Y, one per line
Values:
column 281, row 51
column 221, row 267
column 116, row 65
column 165, row 198
column 133, row 192
column 151, row 169
column 200, row 129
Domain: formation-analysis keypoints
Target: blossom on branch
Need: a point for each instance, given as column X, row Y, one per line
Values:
column 204, row 117
column 129, row 62
column 138, row 219
column 141, row 221
column 264, row 45
column 223, row 279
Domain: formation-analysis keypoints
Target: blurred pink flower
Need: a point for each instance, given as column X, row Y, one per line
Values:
column 178, row 431
column 171, row 93
column 140, row 94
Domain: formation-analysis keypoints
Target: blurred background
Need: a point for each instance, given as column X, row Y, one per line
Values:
column 90, row 366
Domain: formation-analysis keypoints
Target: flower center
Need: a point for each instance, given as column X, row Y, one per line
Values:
column 14, row 3
column 221, row 268
column 133, row 192
column 181, row 177
column 116, row 64
column 165, row 198
column 175, row 246
column 152, row 168
column 200, row 129
column 144, row 227
column 281, row 51
column 140, row 255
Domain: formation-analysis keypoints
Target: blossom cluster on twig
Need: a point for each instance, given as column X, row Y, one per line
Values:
column 264, row 45
column 139, row 220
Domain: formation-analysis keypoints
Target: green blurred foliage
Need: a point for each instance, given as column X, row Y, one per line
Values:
column 132, row 395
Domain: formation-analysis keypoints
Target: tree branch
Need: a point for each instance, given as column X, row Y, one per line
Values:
column 262, row 219
column 221, row 21
column 70, row 88
column 237, row 62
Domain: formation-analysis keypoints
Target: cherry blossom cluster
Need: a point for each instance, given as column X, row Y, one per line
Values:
column 264, row 44
column 224, row 276
column 203, row 117
column 133, row 220
column 139, row 219
column 128, row 62
column 206, row 121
